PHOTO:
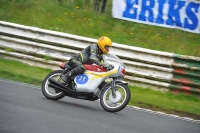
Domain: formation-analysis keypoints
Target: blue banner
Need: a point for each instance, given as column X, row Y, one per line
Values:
column 181, row 14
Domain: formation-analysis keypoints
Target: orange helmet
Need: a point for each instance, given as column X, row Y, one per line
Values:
column 104, row 44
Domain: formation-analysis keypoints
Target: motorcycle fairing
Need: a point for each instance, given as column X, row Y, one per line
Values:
column 90, row 80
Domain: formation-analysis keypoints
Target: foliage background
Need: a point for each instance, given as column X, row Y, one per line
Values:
column 79, row 17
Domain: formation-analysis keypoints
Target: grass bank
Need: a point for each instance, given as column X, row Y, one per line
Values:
column 79, row 18
column 182, row 105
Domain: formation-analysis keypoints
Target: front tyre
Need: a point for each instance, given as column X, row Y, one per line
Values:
column 111, row 104
column 50, row 92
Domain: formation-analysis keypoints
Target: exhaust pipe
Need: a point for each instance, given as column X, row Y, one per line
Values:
column 55, row 84
column 57, row 87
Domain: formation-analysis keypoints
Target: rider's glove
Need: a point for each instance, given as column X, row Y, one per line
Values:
column 104, row 65
column 107, row 66
column 110, row 67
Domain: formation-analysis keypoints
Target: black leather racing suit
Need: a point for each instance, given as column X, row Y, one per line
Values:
column 89, row 55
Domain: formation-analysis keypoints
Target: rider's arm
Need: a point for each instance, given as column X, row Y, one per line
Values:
column 93, row 54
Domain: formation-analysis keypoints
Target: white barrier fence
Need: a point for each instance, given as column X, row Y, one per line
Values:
column 34, row 46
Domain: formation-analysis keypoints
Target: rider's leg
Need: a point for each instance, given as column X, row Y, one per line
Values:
column 78, row 68
column 73, row 72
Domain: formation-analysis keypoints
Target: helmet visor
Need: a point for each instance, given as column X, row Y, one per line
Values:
column 107, row 48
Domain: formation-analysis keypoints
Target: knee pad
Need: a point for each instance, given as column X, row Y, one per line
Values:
column 79, row 70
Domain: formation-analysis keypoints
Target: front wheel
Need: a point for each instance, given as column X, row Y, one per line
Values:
column 115, row 104
column 50, row 92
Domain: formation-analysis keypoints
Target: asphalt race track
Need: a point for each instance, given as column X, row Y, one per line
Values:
column 24, row 109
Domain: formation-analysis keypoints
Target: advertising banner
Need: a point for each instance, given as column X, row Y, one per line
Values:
column 181, row 14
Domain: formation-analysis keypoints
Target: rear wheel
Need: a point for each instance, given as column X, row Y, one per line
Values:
column 50, row 92
column 115, row 104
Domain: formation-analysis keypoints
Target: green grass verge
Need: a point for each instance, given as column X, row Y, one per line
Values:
column 79, row 18
column 177, row 104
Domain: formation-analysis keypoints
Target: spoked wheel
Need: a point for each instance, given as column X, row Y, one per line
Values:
column 50, row 92
column 115, row 104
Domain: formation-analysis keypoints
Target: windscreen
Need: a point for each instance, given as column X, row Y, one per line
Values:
column 111, row 58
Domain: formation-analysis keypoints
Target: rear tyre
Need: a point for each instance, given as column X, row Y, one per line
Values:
column 111, row 104
column 50, row 92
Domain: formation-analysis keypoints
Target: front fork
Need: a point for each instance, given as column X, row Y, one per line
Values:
column 113, row 87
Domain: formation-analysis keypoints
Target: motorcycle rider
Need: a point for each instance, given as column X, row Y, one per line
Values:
column 91, row 54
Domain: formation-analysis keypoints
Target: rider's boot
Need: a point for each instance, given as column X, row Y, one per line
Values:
column 67, row 77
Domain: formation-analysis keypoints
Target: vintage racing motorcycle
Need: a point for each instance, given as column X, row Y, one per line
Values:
column 95, row 83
